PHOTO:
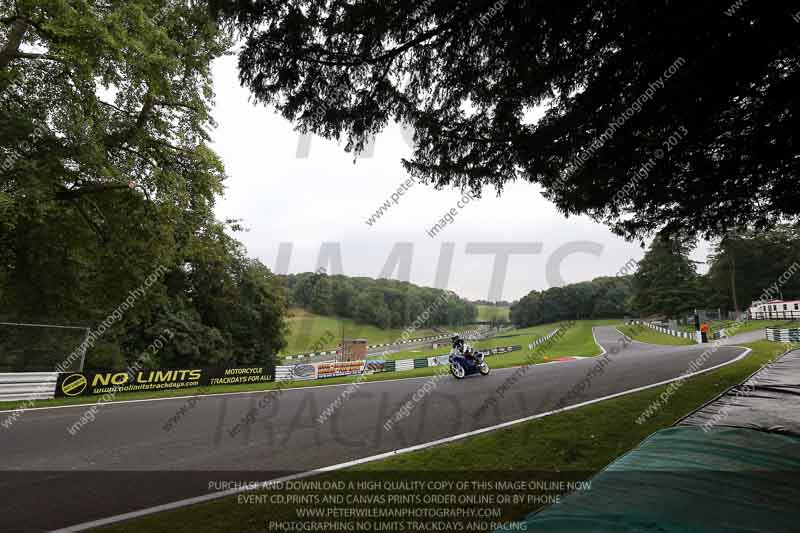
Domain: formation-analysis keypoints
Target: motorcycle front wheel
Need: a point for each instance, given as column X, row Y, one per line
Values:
column 457, row 370
column 484, row 369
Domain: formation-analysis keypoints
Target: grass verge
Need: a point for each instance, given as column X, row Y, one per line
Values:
column 651, row 336
column 583, row 440
column 579, row 341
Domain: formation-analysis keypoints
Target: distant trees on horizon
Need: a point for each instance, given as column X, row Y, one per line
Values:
column 385, row 303
column 741, row 266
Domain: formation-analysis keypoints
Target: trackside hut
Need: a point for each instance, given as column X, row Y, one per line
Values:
column 775, row 309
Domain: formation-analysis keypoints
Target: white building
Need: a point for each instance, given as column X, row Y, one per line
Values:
column 775, row 309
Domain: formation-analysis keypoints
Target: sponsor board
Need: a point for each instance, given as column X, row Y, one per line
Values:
column 339, row 368
column 304, row 371
column 104, row 382
column 504, row 349
column 374, row 365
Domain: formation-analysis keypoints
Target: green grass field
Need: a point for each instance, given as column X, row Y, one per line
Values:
column 507, row 338
column 651, row 336
column 307, row 330
column 578, row 341
column 583, row 440
column 487, row 313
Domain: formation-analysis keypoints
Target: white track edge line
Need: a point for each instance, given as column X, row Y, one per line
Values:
column 231, row 492
column 597, row 343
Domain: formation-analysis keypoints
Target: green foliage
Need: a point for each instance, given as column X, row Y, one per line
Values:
column 745, row 263
column 666, row 282
column 384, row 303
column 604, row 297
column 704, row 102
column 107, row 177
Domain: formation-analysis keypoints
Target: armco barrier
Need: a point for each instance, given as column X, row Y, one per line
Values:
column 667, row 331
column 333, row 352
column 540, row 340
column 403, row 365
column 28, row 386
column 783, row 334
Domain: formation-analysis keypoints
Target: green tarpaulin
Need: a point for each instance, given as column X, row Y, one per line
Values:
column 686, row 479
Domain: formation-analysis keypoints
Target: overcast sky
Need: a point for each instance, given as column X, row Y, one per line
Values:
column 327, row 197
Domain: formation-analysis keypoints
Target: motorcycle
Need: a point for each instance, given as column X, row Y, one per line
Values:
column 462, row 366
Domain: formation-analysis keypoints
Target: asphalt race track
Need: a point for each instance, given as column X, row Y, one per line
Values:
column 126, row 461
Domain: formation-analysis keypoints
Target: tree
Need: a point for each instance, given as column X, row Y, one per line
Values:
column 660, row 115
column 105, row 167
column 380, row 302
column 744, row 264
column 666, row 281
column 343, row 296
column 106, row 176
column 321, row 296
column 605, row 297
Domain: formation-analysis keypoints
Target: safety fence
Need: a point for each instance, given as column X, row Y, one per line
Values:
column 540, row 340
column 306, row 371
column 783, row 334
column 27, row 386
column 777, row 315
column 667, row 331
column 465, row 334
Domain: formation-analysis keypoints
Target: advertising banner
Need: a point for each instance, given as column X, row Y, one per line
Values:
column 504, row 349
column 114, row 381
column 304, row 372
column 374, row 365
column 339, row 368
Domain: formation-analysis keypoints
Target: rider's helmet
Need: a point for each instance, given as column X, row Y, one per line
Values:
column 458, row 342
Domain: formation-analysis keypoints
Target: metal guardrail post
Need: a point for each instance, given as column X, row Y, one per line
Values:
column 83, row 346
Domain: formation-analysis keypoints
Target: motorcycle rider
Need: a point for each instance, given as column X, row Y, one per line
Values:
column 458, row 344
column 462, row 349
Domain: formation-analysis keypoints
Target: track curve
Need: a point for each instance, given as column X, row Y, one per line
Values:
column 125, row 460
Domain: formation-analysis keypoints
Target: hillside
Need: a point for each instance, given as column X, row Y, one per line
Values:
column 487, row 313
column 322, row 332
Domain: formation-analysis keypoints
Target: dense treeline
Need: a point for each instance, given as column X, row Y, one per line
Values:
column 604, row 297
column 383, row 302
column 744, row 266
column 106, row 178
